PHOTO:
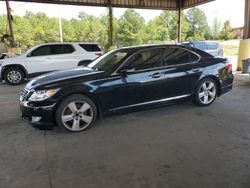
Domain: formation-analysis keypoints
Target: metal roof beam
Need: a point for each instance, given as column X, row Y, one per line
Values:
column 142, row 4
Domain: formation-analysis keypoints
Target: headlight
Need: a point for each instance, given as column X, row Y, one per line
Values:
column 1, row 62
column 42, row 94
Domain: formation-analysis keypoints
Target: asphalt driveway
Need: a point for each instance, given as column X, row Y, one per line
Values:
column 179, row 146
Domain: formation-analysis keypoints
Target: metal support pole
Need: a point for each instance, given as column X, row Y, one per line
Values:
column 12, row 41
column 60, row 29
column 179, row 20
column 110, row 29
column 247, row 20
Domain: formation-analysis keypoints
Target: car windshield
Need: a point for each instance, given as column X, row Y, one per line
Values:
column 108, row 61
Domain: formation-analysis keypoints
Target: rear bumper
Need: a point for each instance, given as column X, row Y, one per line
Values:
column 226, row 89
column 40, row 117
column 227, row 85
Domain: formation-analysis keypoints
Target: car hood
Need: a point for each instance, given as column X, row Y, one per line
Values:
column 61, row 76
column 13, row 59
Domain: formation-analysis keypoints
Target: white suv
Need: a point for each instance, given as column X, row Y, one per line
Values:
column 47, row 58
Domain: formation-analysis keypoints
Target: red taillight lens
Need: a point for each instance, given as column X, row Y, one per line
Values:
column 99, row 53
column 229, row 67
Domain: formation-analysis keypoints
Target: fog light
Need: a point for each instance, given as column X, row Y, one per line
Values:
column 36, row 118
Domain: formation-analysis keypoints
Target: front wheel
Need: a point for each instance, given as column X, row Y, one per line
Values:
column 76, row 113
column 14, row 76
column 206, row 92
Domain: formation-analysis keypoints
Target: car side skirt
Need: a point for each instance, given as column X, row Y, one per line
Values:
column 151, row 102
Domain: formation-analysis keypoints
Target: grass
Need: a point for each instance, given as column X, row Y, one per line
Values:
column 231, row 47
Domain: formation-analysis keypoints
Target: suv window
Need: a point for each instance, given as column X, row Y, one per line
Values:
column 53, row 50
column 212, row 45
column 200, row 45
column 40, row 51
column 145, row 60
column 62, row 49
column 175, row 56
column 90, row 47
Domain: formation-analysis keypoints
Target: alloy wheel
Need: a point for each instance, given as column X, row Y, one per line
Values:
column 77, row 116
column 14, row 76
column 207, row 92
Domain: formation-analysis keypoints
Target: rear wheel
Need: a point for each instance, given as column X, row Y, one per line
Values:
column 76, row 113
column 14, row 76
column 206, row 92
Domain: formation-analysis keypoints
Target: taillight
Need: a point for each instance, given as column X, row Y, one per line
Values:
column 99, row 53
column 229, row 67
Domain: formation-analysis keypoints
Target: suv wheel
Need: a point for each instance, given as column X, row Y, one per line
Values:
column 14, row 76
column 206, row 92
column 76, row 113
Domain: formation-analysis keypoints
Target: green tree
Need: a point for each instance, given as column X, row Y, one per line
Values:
column 45, row 29
column 216, row 29
column 104, row 35
column 171, row 17
column 226, row 32
column 130, row 26
column 156, row 31
column 198, row 26
column 3, row 25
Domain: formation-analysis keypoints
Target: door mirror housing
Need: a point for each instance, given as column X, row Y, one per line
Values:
column 124, row 72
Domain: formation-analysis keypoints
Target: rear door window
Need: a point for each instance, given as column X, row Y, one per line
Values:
column 62, row 49
column 90, row 47
column 177, row 56
column 145, row 60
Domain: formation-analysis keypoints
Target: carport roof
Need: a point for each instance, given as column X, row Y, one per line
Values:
column 147, row 4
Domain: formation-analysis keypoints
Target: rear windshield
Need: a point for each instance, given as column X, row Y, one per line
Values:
column 90, row 47
column 200, row 45
column 212, row 45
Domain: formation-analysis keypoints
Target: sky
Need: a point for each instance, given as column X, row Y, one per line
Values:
column 232, row 10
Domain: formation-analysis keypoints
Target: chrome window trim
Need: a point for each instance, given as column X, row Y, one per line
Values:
column 152, row 102
column 156, row 68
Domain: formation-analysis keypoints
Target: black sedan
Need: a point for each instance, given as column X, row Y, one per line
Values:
column 124, row 80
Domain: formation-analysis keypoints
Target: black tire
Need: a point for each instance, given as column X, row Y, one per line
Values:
column 20, row 76
column 76, row 99
column 211, row 94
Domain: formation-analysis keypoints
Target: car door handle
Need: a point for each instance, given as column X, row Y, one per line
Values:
column 156, row 75
column 196, row 70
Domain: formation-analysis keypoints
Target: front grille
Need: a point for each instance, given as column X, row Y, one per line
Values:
column 24, row 94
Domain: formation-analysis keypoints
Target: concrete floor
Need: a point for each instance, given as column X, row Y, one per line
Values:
column 180, row 146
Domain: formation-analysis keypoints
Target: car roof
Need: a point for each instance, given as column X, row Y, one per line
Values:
column 200, row 41
column 141, row 47
column 132, row 49
column 55, row 43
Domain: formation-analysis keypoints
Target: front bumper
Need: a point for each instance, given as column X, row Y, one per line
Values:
column 41, row 117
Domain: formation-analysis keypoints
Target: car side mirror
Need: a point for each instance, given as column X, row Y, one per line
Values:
column 125, row 72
